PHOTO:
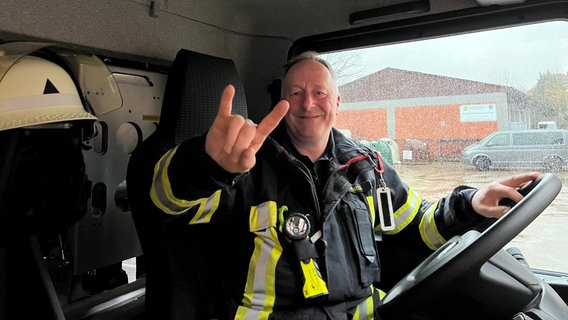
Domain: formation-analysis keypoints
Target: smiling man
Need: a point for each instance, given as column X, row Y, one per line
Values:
column 298, row 206
column 312, row 93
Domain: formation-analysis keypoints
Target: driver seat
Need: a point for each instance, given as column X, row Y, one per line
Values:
column 178, row 279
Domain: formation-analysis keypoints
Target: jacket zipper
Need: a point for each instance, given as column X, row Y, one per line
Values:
column 306, row 172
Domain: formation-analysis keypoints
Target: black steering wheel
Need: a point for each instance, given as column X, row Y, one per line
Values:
column 468, row 252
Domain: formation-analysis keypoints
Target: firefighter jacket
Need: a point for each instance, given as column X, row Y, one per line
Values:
column 270, row 275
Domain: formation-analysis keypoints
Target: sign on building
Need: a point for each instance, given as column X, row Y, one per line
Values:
column 478, row 112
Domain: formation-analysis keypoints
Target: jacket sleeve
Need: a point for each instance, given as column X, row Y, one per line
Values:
column 187, row 181
column 435, row 222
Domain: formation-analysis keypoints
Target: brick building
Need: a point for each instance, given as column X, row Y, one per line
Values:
column 446, row 113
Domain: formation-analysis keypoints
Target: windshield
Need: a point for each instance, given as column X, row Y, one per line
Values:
column 421, row 103
column 486, row 139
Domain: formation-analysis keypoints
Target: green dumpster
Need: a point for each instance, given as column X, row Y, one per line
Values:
column 383, row 148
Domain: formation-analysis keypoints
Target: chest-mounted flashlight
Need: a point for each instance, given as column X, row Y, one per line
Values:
column 297, row 226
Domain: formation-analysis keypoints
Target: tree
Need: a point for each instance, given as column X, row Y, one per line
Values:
column 551, row 97
column 347, row 65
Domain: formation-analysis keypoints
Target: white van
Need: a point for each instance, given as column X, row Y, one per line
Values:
column 539, row 148
column 546, row 125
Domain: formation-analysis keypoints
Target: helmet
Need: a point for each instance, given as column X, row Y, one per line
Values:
column 37, row 91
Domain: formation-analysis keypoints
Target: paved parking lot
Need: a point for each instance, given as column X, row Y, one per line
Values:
column 543, row 243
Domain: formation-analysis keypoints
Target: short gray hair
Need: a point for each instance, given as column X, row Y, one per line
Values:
column 307, row 55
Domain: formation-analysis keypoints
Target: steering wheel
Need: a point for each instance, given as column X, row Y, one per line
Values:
column 467, row 252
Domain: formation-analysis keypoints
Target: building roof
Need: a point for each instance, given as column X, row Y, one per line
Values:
column 395, row 84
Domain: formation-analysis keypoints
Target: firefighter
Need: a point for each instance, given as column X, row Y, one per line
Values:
column 298, row 205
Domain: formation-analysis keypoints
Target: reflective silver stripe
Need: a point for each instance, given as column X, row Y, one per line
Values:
column 263, row 216
column 163, row 197
column 429, row 231
column 39, row 102
column 406, row 213
column 207, row 207
column 260, row 289
column 244, row 313
column 161, row 191
column 365, row 310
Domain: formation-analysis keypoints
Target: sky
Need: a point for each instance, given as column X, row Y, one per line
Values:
column 513, row 57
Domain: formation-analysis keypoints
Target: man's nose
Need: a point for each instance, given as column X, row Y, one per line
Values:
column 308, row 102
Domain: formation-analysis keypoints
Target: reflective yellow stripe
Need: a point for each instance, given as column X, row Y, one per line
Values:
column 263, row 216
column 429, row 231
column 163, row 196
column 365, row 310
column 406, row 213
column 260, row 287
column 382, row 294
column 207, row 206
column 161, row 189
column 371, row 202
column 244, row 313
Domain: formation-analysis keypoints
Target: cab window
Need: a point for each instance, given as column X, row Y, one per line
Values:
column 421, row 103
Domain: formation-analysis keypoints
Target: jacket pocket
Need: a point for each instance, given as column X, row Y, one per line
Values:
column 357, row 218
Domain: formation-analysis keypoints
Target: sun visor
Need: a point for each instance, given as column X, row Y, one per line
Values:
column 97, row 84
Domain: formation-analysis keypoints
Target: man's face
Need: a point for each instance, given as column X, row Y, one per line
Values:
column 314, row 101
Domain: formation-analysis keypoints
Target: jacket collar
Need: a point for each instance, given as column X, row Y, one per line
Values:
column 339, row 147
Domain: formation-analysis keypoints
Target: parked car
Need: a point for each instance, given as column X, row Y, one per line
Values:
column 540, row 148
column 547, row 125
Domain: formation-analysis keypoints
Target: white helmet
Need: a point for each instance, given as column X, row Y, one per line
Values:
column 37, row 91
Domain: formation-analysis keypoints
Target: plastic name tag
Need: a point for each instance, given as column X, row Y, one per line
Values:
column 386, row 218
column 314, row 286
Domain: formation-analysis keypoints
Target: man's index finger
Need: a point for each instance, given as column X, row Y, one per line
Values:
column 271, row 120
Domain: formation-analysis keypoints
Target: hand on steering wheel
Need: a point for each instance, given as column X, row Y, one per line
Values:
column 465, row 253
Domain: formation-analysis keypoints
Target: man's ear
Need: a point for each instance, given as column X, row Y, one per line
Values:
column 337, row 104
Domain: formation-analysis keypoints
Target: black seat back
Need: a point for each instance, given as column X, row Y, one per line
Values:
column 178, row 284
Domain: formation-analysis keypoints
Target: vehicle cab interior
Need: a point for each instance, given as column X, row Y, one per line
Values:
column 93, row 93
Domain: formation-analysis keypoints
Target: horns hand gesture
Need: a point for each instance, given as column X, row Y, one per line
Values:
column 233, row 141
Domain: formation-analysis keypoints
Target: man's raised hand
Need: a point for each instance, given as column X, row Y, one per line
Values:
column 233, row 141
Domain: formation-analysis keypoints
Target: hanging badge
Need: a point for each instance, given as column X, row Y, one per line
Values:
column 386, row 218
column 383, row 196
